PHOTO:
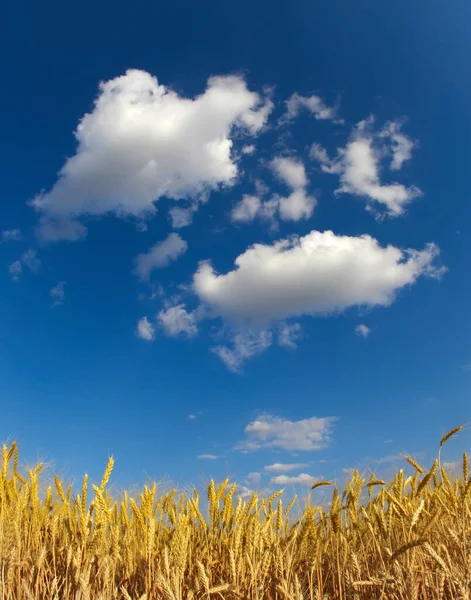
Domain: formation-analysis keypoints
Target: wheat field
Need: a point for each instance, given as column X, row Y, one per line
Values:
column 407, row 539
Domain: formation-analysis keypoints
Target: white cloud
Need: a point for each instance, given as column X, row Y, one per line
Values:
column 401, row 145
column 291, row 171
column 247, row 209
column 245, row 345
column 284, row 467
column 298, row 205
column 191, row 417
column 313, row 104
column 318, row 274
column 244, row 492
column 145, row 330
column 289, row 334
column 253, row 478
column 207, row 457
column 143, row 141
column 274, row 432
column 160, row 255
column 30, row 259
column 301, row 479
column 362, row 330
column 294, row 207
column 453, row 468
column 358, row 167
column 12, row 235
column 181, row 217
column 60, row 229
column 248, row 149
column 15, row 270
column 176, row 320
column 57, row 293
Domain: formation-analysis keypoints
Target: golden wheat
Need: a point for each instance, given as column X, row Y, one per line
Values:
column 410, row 540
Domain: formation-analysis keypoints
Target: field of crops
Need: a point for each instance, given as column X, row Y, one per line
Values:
column 406, row 539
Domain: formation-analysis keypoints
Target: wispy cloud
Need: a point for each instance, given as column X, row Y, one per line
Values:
column 270, row 431
column 284, row 467
column 159, row 256
column 57, row 293
column 11, row 235
column 301, row 479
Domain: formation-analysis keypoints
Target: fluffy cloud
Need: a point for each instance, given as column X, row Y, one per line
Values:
column 358, row 166
column 294, row 207
column 291, row 171
column 176, row 320
column 248, row 149
column 274, row 432
column 247, row 209
column 160, row 255
column 207, row 457
column 362, row 330
column 284, row 467
column 289, row 334
column 11, row 235
column 143, row 141
column 57, row 293
column 314, row 104
column 301, row 479
column 244, row 492
column 145, row 330
column 245, row 345
column 318, row 274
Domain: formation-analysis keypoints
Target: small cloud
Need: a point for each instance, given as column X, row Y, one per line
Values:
column 176, row 320
column 301, row 479
column 159, row 256
column 244, row 492
column 12, row 235
column 392, row 458
column 358, row 166
column 207, row 457
column 289, row 334
column 390, row 441
column 314, row 104
column 253, row 478
column 181, row 217
column 467, row 367
column 31, row 260
column 248, row 149
column 191, row 417
column 15, row 270
column 245, row 346
column 274, row 432
column 362, row 330
column 284, row 467
column 145, row 330
column 60, row 229
column 57, row 293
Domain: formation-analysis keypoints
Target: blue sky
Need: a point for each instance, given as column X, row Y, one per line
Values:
column 307, row 302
